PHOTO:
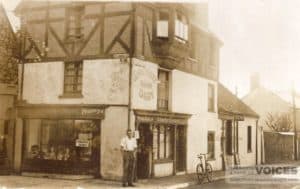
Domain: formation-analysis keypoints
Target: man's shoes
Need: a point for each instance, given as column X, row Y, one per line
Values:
column 131, row 185
column 124, row 185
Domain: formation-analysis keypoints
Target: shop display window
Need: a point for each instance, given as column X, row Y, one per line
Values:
column 61, row 140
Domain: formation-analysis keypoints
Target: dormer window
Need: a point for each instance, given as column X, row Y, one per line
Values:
column 162, row 28
column 181, row 27
column 74, row 29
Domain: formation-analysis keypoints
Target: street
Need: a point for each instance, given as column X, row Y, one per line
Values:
column 225, row 185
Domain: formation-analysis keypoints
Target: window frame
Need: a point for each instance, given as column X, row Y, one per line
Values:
column 167, row 90
column 211, row 100
column 78, row 68
column 159, row 22
column 184, row 36
column 160, row 156
column 213, row 133
column 249, row 138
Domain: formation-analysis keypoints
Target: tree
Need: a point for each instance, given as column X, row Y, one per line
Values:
column 8, row 54
column 279, row 122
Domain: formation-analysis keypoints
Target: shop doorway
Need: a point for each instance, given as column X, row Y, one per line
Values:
column 144, row 154
column 180, row 148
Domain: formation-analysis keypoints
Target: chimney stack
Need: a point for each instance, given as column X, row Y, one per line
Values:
column 254, row 81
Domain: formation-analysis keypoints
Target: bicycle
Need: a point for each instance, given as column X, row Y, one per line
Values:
column 204, row 171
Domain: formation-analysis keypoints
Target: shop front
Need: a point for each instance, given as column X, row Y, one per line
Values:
column 61, row 139
column 161, row 143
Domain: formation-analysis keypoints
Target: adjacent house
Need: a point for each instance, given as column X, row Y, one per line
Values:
column 240, row 135
column 277, row 115
column 8, row 91
column 91, row 70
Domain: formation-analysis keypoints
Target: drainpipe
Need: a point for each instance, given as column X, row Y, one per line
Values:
column 132, row 50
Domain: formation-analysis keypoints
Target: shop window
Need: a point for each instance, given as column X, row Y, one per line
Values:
column 211, row 145
column 72, row 141
column 74, row 28
column 163, row 142
column 163, row 90
column 249, row 139
column 181, row 27
column 162, row 27
column 211, row 98
column 73, row 77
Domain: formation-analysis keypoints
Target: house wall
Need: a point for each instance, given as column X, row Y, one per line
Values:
column 104, row 82
column 247, row 158
column 112, row 130
column 264, row 102
column 189, row 95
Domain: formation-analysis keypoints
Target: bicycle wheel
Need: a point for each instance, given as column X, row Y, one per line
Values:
column 209, row 171
column 200, row 173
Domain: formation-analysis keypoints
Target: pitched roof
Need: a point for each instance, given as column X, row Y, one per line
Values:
column 229, row 103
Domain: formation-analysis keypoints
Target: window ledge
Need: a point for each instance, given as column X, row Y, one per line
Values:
column 249, row 151
column 75, row 95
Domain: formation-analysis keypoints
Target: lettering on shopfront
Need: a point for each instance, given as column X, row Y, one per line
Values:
column 162, row 120
column 91, row 112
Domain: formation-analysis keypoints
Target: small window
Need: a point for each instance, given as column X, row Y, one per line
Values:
column 162, row 27
column 163, row 90
column 73, row 77
column 211, row 98
column 249, row 139
column 74, row 29
column 181, row 27
column 211, row 145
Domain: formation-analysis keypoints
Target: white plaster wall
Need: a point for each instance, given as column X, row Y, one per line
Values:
column 112, row 131
column 190, row 95
column 144, row 85
column 105, row 81
column 247, row 159
column 163, row 169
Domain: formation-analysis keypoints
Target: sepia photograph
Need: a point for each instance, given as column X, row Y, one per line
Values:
column 165, row 94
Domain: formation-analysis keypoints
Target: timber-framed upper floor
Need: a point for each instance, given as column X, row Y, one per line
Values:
column 162, row 33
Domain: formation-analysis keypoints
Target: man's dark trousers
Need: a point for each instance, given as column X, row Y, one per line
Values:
column 128, row 165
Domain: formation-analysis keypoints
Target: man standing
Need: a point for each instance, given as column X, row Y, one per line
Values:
column 128, row 148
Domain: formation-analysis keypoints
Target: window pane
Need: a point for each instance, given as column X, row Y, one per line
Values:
column 169, row 141
column 155, row 142
column 162, row 142
column 73, row 77
column 211, row 145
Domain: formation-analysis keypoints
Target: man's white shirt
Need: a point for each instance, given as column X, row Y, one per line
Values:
column 128, row 144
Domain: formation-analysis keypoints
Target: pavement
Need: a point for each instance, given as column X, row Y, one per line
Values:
column 172, row 182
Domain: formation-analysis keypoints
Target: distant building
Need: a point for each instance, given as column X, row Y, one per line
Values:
column 8, row 91
column 91, row 70
column 271, row 103
column 240, row 134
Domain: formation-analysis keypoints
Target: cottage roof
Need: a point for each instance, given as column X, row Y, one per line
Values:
column 229, row 103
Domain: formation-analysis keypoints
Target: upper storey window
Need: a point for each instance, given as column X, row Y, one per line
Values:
column 74, row 29
column 163, row 23
column 181, row 26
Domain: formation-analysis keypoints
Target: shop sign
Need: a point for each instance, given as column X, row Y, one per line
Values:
column 82, row 143
column 165, row 120
column 91, row 112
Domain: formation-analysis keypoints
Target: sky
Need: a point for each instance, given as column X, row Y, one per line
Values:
column 258, row 36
